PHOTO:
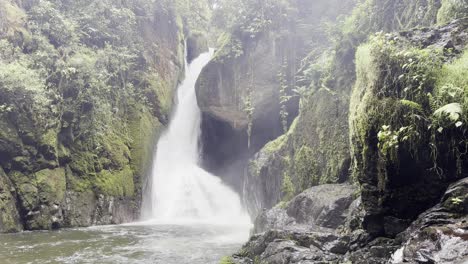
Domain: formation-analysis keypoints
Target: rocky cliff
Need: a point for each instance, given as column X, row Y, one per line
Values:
column 382, row 106
column 85, row 89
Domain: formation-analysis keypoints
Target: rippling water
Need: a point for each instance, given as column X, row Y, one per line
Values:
column 151, row 243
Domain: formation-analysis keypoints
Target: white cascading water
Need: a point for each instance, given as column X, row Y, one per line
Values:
column 181, row 191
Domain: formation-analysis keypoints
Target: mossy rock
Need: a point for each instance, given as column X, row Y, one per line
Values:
column 9, row 216
column 83, row 162
column 116, row 183
column 401, row 154
column 51, row 185
column 49, row 144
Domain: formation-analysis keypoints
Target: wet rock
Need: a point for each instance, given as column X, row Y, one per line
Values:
column 394, row 226
column 305, row 230
column 323, row 206
column 395, row 190
column 197, row 43
column 439, row 235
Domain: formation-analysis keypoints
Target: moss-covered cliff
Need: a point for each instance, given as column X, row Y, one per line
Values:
column 85, row 88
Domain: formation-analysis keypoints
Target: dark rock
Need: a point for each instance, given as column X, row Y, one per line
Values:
column 439, row 235
column 197, row 43
column 9, row 216
column 393, row 226
column 323, row 205
column 304, row 230
column 395, row 190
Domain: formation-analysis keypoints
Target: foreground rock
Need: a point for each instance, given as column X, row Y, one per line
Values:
column 323, row 225
column 439, row 235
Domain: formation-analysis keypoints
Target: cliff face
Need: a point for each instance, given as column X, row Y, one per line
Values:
column 383, row 111
column 406, row 118
column 85, row 88
column 249, row 94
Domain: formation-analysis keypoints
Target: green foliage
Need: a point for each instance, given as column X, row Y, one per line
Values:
column 226, row 260
column 372, row 16
column 304, row 167
column 230, row 48
column 116, row 183
column 197, row 14
column 451, row 10
column 390, row 140
column 249, row 110
column 449, row 99
column 284, row 96
column 414, row 100
column 287, row 188
column 452, row 111
column 250, row 18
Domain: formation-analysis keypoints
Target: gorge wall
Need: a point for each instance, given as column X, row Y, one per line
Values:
column 375, row 98
column 85, row 89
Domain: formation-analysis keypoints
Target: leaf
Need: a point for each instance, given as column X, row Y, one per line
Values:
column 440, row 130
column 453, row 111
column 459, row 124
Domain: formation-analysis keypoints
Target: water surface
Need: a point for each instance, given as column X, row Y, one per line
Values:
column 150, row 243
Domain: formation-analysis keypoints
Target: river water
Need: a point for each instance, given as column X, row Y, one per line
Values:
column 184, row 243
column 191, row 216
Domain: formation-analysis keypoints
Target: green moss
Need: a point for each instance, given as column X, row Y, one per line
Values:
column 83, row 162
column 230, row 48
column 51, row 185
column 50, row 138
column 49, row 142
column 275, row 145
column 454, row 73
column 28, row 195
column 281, row 142
column 9, row 217
column 143, row 130
column 116, row 183
column 287, row 188
column 115, row 149
column 226, row 260
column 305, row 168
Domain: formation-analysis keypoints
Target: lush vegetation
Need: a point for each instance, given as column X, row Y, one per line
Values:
column 85, row 87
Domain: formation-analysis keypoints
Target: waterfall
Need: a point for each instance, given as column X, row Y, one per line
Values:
column 181, row 191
